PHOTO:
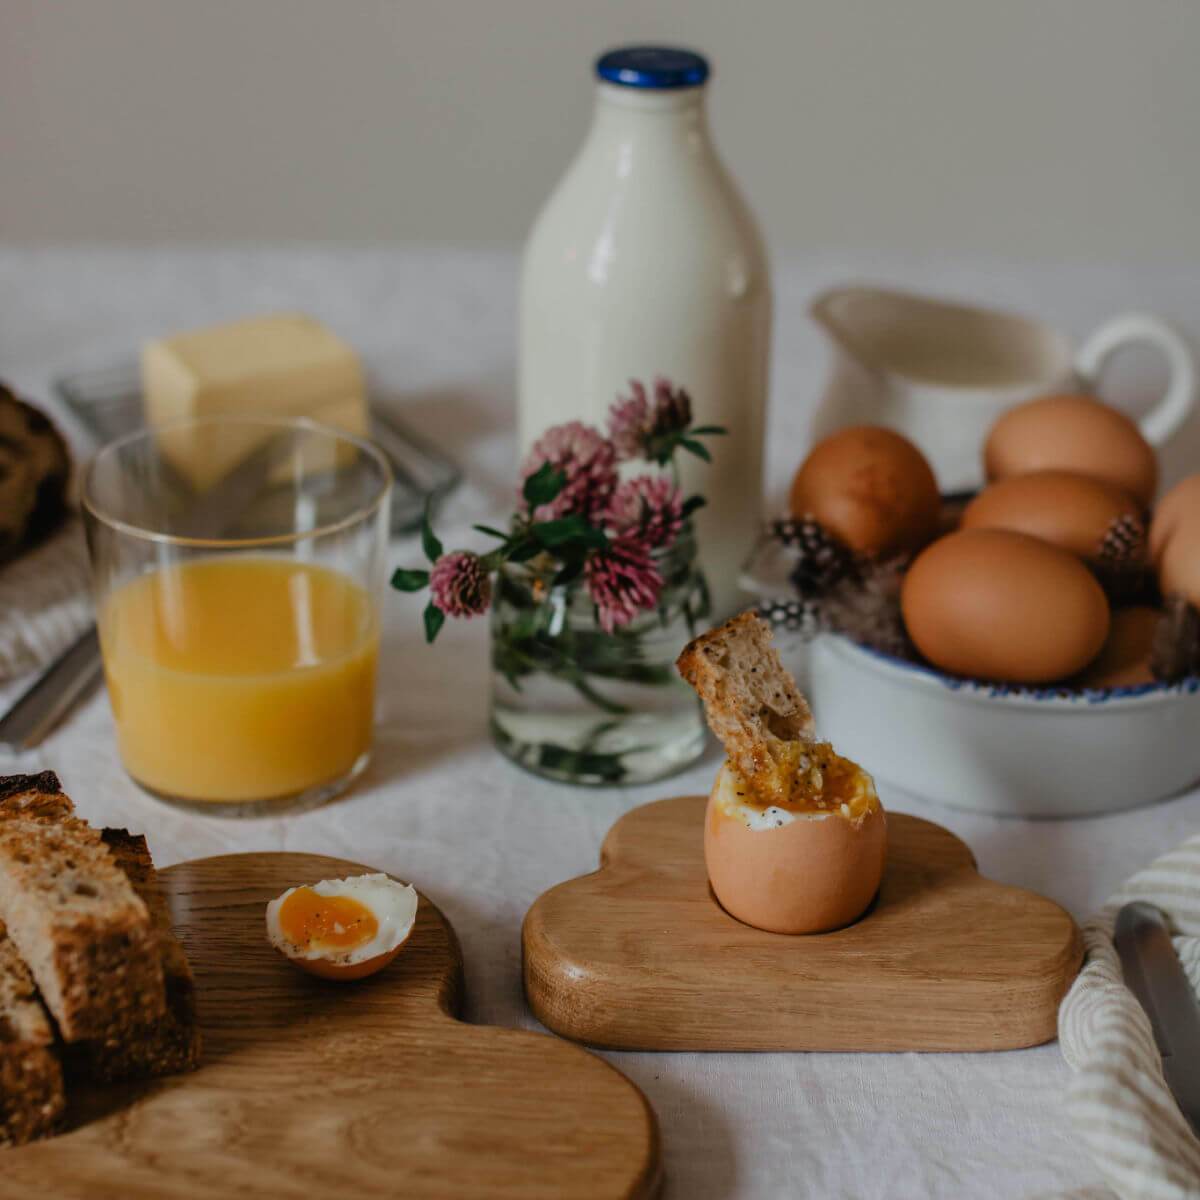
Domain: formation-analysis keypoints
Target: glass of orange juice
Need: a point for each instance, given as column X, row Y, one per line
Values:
column 238, row 569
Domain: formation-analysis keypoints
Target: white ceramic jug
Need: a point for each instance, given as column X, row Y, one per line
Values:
column 645, row 261
column 942, row 373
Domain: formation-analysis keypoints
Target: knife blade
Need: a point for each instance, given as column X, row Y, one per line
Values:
column 1156, row 977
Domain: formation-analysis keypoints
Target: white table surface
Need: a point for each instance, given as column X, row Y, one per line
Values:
column 440, row 807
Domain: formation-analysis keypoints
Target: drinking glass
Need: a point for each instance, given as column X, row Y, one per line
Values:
column 238, row 568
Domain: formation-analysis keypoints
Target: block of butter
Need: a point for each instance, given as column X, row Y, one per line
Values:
column 285, row 365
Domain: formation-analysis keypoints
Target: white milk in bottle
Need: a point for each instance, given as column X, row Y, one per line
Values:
column 644, row 262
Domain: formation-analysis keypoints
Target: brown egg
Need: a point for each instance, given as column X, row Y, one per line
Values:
column 992, row 604
column 1124, row 659
column 870, row 487
column 1073, row 511
column 815, row 872
column 1179, row 564
column 1178, row 509
column 1072, row 433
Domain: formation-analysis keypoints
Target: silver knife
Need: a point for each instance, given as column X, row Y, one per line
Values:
column 1156, row 977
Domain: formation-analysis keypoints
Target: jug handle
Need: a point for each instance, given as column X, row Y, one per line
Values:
column 1161, row 423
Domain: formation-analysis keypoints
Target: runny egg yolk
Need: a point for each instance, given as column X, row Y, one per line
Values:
column 810, row 777
column 337, row 922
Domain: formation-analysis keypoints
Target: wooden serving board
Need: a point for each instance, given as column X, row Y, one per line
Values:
column 639, row 954
column 316, row 1088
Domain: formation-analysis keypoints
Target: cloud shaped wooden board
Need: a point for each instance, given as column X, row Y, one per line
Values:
column 639, row 954
column 312, row 1088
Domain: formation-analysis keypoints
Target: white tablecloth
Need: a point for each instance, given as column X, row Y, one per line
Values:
column 440, row 807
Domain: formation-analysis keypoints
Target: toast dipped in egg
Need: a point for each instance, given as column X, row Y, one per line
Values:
column 795, row 838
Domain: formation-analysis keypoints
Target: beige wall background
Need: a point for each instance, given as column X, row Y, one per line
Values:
column 1065, row 128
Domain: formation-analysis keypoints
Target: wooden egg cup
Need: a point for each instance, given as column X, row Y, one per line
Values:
column 311, row 1087
column 640, row 956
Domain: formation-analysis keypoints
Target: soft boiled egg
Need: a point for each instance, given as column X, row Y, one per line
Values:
column 343, row 928
column 811, row 862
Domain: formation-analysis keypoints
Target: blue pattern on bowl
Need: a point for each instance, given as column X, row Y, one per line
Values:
column 1189, row 685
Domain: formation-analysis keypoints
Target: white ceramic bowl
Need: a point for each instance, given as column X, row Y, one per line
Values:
column 1001, row 749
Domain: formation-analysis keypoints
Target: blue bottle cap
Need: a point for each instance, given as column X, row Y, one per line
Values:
column 652, row 67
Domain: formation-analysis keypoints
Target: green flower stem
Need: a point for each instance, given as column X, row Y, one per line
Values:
column 579, row 682
column 562, row 667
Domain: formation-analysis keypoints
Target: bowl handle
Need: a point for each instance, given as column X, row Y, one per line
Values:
column 1164, row 419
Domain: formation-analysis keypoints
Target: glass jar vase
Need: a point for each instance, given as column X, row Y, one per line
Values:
column 573, row 703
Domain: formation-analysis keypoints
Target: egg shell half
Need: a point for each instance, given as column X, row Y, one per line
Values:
column 1061, row 507
column 1179, row 509
column 815, row 873
column 992, row 604
column 870, row 487
column 1073, row 433
column 324, row 969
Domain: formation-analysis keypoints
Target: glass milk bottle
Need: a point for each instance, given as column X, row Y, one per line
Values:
column 644, row 262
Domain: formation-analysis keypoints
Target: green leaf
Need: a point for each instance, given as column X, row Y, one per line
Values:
column 691, row 504
column 562, row 532
column 406, row 580
column 659, row 448
column 434, row 620
column 708, row 429
column 543, row 485
column 429, row 541
column 524, row 550
column 603, row 767
column 696, row 448
column 490, row 532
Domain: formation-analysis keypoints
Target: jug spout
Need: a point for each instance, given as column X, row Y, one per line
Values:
column 839, row 313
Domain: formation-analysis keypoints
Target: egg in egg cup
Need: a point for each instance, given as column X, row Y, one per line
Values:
column 795, row 838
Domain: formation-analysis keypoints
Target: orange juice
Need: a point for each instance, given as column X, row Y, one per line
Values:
column 240, row 678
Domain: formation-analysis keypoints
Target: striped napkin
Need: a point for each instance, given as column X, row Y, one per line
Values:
column 45, row 603
column 1117, row 1099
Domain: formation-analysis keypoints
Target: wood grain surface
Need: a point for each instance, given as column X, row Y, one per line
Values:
column 639, row 954
column 316, row 1088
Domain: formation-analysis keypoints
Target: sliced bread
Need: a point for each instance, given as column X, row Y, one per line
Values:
column 75, row 918
column 171, row 1043
column 31, row 1083
column 751, row 702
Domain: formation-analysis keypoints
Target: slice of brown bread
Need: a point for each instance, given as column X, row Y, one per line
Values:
column 31, row 1082
column 751, row 702
column 75, row 918
column 172, row 1043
